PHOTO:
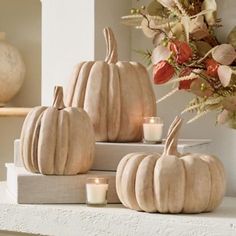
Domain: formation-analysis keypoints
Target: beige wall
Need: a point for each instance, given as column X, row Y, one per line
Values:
column 21, row 20
column 108, row 14
column 67, row 39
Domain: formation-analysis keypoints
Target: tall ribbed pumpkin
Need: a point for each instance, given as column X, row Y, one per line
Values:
column 115, row 94
column 57, row 140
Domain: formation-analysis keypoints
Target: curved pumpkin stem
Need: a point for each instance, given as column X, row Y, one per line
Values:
column 170, row 131
column 172, row 138
column 111, row 56
column 58, row 98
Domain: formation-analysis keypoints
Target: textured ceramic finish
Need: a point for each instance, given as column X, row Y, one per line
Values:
column 171, row 182
column 12, row 71
column 57, row 140
column 115, row 94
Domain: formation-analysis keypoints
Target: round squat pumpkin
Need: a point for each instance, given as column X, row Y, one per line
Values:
column 171, row 182
column 115, row 94
column 57, row 140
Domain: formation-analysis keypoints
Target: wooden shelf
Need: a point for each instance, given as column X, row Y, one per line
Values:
column 14, row 111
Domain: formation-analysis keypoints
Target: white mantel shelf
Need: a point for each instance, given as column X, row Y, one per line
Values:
column 112, row 220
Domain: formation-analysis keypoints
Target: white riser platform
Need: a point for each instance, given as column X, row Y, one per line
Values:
column 28, row 188
column 113, row 220
column 108, row 155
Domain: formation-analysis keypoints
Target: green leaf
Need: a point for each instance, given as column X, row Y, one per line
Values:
column 146, row 56
column 155, row 9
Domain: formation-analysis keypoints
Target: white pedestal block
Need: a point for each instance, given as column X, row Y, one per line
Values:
column 108, row 155
column 28, row 188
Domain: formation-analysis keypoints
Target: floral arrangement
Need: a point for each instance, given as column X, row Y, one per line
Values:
column 187, row 54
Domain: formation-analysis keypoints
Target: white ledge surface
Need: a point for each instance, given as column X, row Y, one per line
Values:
column 111, row 220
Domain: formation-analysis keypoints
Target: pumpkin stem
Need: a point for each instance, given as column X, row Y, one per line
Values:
column 58, row 98
column 172, row 138
column 111, row 55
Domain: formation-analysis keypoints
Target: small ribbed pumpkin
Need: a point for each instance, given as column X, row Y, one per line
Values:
column 171, row 182
column 115, row 94
column 57, row 140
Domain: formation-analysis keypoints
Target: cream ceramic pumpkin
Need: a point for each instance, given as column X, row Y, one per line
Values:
column 12, row 70
column 115, row 94
column 57, row 140
column 171, row 182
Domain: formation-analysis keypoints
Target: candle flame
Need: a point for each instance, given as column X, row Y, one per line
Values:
column 96, row 181
column 152, row 120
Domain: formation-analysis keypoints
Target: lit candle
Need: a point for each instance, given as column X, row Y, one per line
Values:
column 96, row 190
column 152, row 129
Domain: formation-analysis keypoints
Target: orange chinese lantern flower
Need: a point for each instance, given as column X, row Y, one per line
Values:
column 185, row 84
column 212, row 67
column 182, row 51
column 163, row 72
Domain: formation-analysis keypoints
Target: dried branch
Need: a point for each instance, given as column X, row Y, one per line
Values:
column 172, row 92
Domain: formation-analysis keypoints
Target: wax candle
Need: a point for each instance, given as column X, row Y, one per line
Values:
column 96, row 190
column 152, row 129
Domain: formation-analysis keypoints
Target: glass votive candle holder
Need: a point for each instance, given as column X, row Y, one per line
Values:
column 96, row 191
column 152, row 130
